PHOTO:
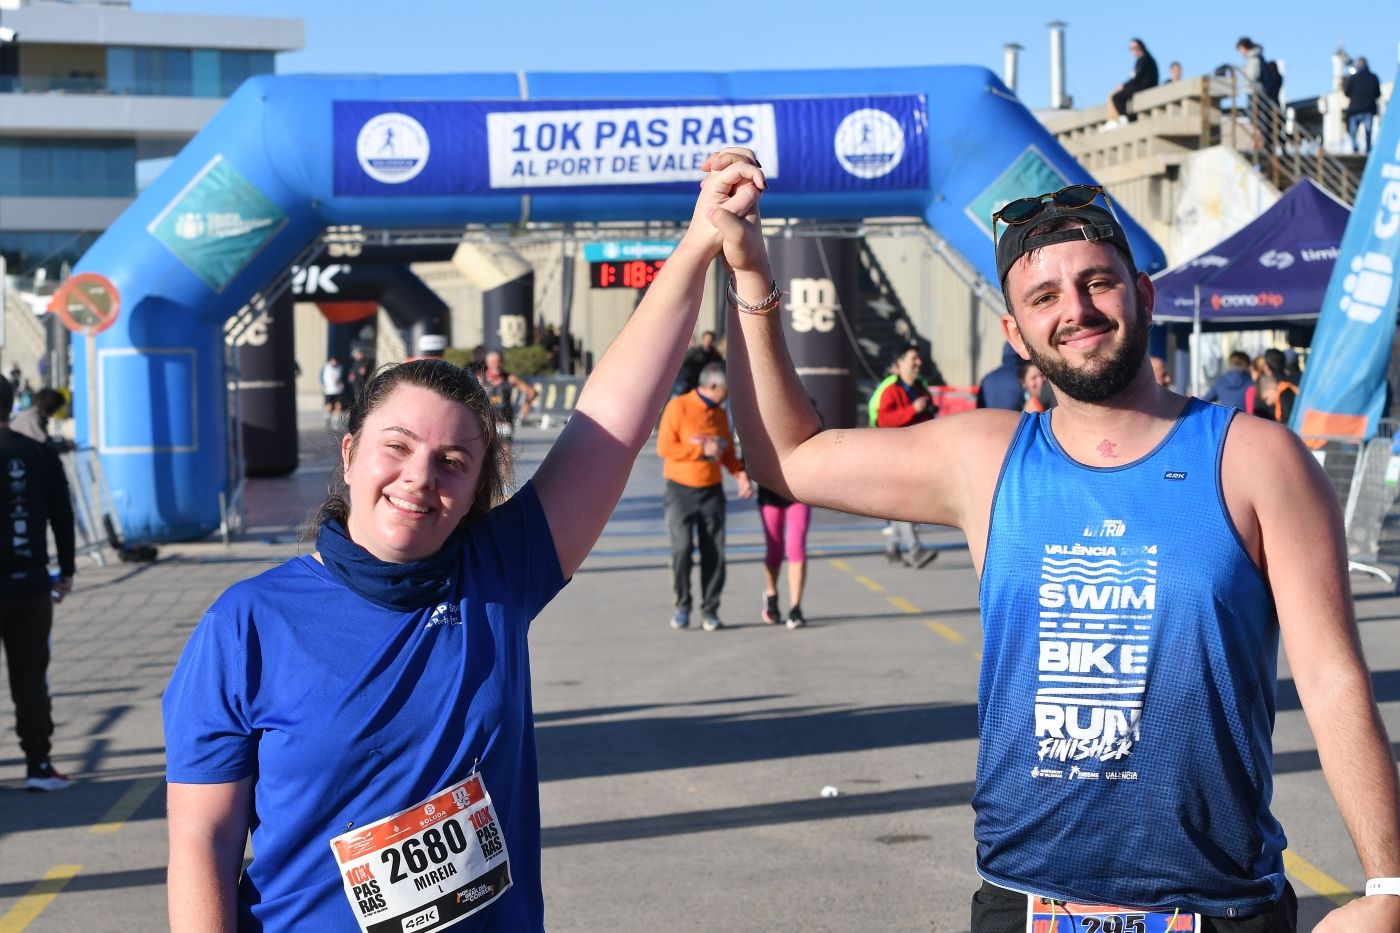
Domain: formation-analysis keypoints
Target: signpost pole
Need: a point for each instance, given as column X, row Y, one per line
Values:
column 88, row 304
column 91, row 341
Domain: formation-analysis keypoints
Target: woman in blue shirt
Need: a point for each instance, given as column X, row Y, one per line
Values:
column 364, row 712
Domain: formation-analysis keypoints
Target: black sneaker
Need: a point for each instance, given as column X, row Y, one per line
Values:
column 771, row 615
column 43, row 777
column 795, row 619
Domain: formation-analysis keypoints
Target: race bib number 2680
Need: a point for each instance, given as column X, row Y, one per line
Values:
column 426, row 867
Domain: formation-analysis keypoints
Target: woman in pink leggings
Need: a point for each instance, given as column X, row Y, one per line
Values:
column 785, row 534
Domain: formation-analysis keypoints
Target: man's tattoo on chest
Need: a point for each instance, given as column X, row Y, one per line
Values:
column 1107, row 448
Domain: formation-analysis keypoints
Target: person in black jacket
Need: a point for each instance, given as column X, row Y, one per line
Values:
column 1144, row 77
column 1001, row 388
column 1363, row 91
column 33, row 498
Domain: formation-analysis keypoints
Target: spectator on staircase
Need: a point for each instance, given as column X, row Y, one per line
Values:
column 1363, row 91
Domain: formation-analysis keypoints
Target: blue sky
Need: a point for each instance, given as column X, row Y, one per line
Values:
column 427, row 36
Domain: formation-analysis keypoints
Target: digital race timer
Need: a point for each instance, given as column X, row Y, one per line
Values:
column 632, row 273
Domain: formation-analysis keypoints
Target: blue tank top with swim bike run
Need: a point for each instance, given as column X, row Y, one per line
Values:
column 1126, row 700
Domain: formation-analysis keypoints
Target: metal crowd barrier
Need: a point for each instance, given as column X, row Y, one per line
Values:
column 556, row 400
column 1366, row 477
column 95, row 519
column 953, row 399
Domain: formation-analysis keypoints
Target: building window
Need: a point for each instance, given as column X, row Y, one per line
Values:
column 27, row 251
column 182, row 72
column 206, row 73
column 39, row 168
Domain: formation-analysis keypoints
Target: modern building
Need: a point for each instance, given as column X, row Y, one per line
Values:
column 94, row 96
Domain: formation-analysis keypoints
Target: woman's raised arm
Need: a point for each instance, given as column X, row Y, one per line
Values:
column 584, row 474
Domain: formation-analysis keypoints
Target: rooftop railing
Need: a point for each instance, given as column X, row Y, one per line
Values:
column 1172, row 120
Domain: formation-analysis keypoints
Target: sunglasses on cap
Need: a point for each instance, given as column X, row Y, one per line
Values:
column 1024, row 210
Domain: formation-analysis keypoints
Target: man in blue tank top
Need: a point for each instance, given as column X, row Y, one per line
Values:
column 1137, row 572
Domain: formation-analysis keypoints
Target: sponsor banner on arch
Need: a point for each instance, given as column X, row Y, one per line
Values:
column 218, row 223
column 1344, row 388
column 448, row 148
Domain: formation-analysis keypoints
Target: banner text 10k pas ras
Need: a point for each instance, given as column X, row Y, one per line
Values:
column 446, row 148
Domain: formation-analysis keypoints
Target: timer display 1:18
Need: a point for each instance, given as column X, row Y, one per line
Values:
column 634, row 273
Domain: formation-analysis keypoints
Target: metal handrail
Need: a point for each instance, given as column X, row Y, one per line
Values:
column 1279, row 148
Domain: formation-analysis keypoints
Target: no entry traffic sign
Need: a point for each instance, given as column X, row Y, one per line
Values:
column 87, row 303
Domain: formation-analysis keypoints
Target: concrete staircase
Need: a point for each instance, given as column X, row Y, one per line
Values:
column 1174, row 120
column 1141, row 162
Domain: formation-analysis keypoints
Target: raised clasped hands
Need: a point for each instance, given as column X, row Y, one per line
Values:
column 726, row 213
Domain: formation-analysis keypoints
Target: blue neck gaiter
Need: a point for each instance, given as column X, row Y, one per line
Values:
column 404, row 587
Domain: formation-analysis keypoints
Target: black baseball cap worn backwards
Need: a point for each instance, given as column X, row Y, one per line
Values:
column 1099, row 226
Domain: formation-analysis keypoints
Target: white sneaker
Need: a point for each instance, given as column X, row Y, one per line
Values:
column 43, row 777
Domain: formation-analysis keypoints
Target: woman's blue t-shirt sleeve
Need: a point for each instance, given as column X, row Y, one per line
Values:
column 208, row 738
column 522, row 537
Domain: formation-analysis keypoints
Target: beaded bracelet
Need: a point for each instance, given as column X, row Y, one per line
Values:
column 764, row 307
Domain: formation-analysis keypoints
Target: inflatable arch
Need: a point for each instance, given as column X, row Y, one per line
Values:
column 288, row 156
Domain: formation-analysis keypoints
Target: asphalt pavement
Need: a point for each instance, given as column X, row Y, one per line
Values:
column 685, row 776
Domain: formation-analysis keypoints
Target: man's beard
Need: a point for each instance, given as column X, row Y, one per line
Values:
column 1095, row 383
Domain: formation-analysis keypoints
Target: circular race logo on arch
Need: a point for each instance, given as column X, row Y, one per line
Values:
column 392, row 148
column 869, row 143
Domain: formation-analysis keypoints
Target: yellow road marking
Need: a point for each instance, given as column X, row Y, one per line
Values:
column 933, row 625
column 947, row 632
column 121, row 811
column 869, row 584
column 31, row 905
column 840, row 564
column 1317, row 879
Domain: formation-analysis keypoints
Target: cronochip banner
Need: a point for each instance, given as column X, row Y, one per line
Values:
column 415, row 148
column 1343, row 391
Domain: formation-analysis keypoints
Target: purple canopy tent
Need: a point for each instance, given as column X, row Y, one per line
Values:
column 1273, row 273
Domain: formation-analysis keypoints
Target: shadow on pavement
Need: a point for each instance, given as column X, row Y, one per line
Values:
column 596, row 749
column 80, row 806
column 93, row 881
column 588, row 713
column 787, row 811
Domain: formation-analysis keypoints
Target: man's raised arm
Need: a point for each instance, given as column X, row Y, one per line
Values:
column 916, row 474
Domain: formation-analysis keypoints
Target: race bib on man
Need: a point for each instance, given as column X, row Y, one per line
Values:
column 426, row 867
column 1044, row 915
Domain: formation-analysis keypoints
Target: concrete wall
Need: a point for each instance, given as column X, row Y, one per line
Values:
column 1217, row 193
column 965, row 332
column 60, row 213
column 90, row 24
column 104, row 115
